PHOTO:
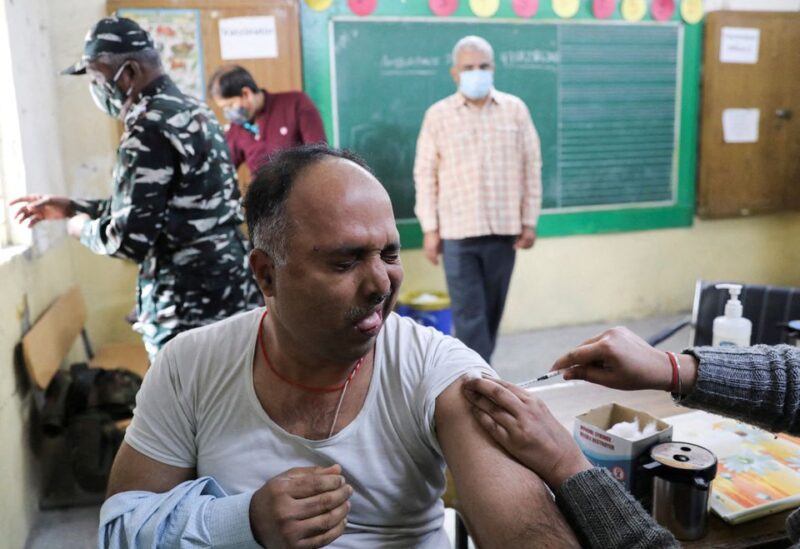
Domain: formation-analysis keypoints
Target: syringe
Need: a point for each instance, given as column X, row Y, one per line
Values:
column 526, row 384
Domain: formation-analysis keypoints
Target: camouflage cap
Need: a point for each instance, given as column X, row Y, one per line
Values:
column 111, row 35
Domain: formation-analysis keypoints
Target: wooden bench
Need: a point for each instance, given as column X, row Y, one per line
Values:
column 53, row 334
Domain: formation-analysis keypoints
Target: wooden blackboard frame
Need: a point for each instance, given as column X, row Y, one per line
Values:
column 318, row 84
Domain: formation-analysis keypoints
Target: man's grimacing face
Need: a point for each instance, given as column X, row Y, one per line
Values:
column 343, row 270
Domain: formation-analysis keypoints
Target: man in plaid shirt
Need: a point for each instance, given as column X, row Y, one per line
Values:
column 478, row 191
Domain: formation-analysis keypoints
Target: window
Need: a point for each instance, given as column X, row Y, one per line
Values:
column 12, row 166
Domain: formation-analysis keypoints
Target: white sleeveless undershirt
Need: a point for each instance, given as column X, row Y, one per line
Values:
column 198, row 408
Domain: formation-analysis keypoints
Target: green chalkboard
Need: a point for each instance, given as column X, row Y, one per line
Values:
column 622, row 97
column 603, row 97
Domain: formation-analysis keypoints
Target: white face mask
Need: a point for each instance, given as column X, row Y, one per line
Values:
column 476, row 84
column 107, row 96
column 236, row 115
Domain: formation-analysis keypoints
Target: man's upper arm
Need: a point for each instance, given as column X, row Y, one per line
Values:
column 132, row 470
column 145, row 170
column 426, row 166
column 162, row 433
column 532, row 157
column 504, row 503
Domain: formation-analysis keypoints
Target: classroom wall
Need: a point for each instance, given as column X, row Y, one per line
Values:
column 36, row 282
column 752, row 5
column 617, row 277
column 88, row 140
column 68, row 147
column 34, row 274
column 54, row 140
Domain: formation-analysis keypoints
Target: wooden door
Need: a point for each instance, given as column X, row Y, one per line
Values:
column 764, row 176
column 281, row 73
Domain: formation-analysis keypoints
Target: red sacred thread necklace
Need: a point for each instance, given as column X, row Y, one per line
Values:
column 341, row 387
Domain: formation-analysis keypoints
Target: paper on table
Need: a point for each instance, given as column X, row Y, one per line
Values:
column 248, row 37
column 740, row 125
column 739, row 45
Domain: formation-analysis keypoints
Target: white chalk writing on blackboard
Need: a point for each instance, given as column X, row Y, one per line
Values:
column 529, row 59
column 403, row 65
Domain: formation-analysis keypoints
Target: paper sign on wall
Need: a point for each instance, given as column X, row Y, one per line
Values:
column 248, row 37
column 739, row 45
column 740, row 125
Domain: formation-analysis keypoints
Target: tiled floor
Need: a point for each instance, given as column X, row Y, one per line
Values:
column 518, row 357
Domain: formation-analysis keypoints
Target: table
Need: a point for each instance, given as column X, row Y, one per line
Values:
column 567, row 399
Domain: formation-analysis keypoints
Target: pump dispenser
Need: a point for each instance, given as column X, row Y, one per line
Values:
column 732, row 329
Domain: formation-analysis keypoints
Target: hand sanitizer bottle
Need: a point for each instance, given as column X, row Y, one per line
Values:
column 732, row 329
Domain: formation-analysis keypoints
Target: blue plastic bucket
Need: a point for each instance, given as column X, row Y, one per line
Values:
column 428, row 308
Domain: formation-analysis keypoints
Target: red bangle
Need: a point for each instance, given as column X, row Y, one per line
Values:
column 673, row 360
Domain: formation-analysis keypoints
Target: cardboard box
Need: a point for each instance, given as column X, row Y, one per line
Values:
column 622, row 457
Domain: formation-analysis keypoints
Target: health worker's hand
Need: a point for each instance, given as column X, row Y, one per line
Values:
column 523, row 425
column 620, row 359
column 304, row 507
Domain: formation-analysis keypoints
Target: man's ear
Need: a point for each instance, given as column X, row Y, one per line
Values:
column 263, row 268
column 454, row 72
column 130, row 81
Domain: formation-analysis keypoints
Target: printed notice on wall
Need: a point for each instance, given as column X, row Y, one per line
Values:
column 740, row 125
column 739, row 45
column 248, row 37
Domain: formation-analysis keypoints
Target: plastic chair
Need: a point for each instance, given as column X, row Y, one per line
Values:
column 769, row 308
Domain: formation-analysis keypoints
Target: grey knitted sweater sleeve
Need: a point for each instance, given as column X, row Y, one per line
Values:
column 606, row 516
column 759, row 385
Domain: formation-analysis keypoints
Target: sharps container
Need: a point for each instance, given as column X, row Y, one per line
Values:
column 682, row 475
column 427, row 308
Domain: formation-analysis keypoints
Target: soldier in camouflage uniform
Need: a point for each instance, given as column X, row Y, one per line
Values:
column 175, row 208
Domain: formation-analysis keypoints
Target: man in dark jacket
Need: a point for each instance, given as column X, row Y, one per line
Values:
column 261, row 122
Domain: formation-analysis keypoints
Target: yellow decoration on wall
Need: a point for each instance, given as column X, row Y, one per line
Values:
column 484, row 8
column 692, row 11
column 566, row 8
column 633, row 10
column 319, row 5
